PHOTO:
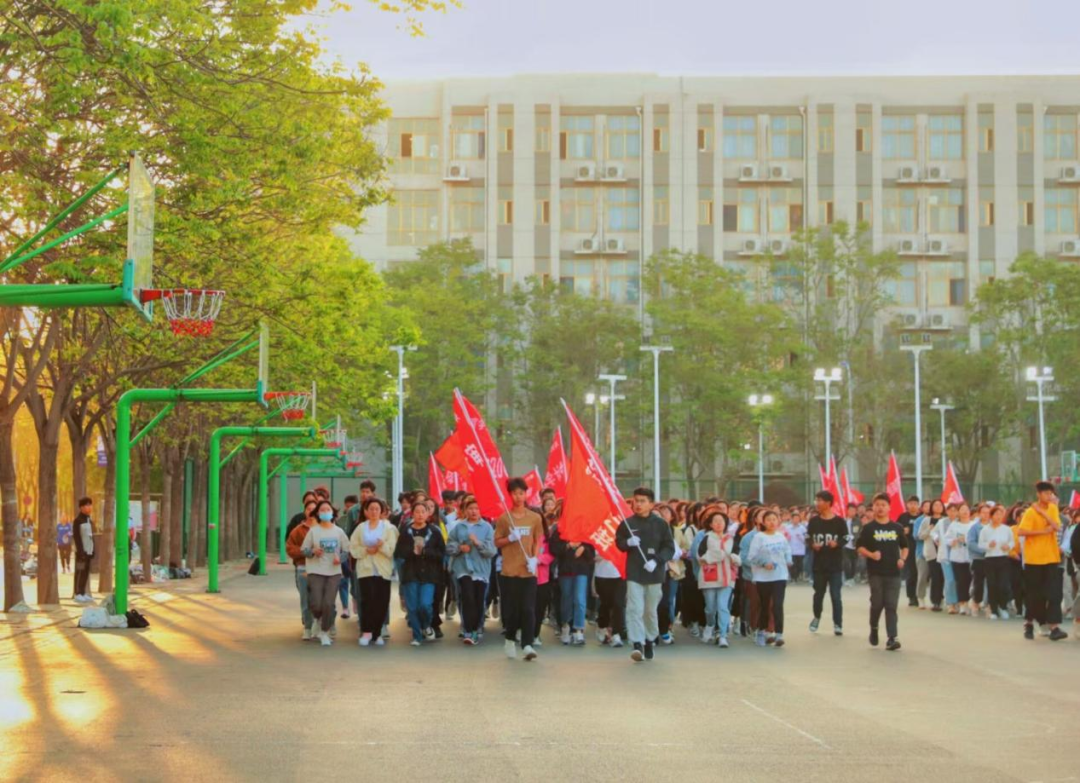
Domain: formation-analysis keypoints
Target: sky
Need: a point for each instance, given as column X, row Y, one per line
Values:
column 713, row 37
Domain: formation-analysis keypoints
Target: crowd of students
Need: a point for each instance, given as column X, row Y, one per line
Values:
column 719, row 568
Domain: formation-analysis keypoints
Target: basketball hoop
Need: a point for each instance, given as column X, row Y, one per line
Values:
column 292, row 404
column 192, row 312
column 354, row 459
column 333, row 438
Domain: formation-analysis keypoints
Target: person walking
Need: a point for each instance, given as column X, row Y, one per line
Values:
column 718, row 568
column 83, row 536
column 471, row 547
column 517, row 535
column 372, row 544
column 1038, row 532
column 827, row 533
column 770, row 559
column 997, row 541
column 294, row 549
column 346, row 588
column 885, row 548
column 649, row 544
column 63, row 544
column 324, row 547
column 907, row 521
column 930, row 533
column 420, row 550
column 956, row 539
column 574, row 561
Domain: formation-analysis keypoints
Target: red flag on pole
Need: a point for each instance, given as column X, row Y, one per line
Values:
column 556, row 466
column 853, row 496
column 451, row 454
column 840, row 501
column 453, row 480
column 480, row 460
column 951, row 493
column 824, row 477
column 594, row 509
column 894, row 488
column 498, row 467
column 536, row 486
column 1074, row 500
column 435, row 480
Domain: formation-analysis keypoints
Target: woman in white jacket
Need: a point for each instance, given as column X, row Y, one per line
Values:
column 719, row 568
column 930, row 532
column 957, row 541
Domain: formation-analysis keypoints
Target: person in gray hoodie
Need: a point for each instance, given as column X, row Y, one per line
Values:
column 649, row 545
column 471, row 546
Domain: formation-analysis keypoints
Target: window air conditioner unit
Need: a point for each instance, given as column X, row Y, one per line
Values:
column 778, row 171
column 750, row 247
column 1070, row 174
column 937, row 173
column 777, row 246
column 586, row 172
column 1071, row 248
column 590, row 245
column 908, row 247
column 614, row 172
column 909, row 319
column 748, row 172
column 456, row 172
column 908, row 174
column 938, row 321
column 614, row 245
column 937, row 247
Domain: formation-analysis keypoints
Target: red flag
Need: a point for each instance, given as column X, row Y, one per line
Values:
column 951, row 493
column 894, row 488
column 536, row 485
column 840, row 501
column 435, row 480
column 451, row 454
column 1074, row 500
column 488, row 488
column 824, row 477
column 556, row 466
column 594, row 509
column 453, row 480
column 498, row 467
column 853, row 496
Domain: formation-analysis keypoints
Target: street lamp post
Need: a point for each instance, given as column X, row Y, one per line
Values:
column 758, row 401
column 1041, row 376
column 612, row 397
column 656, row 350
column 593, row 399
column 397, row 455
column 941, row 407
column 916, row 352
column 827, row 377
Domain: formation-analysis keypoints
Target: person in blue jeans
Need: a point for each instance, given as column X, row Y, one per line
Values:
column 420, row 550
column 575, row 559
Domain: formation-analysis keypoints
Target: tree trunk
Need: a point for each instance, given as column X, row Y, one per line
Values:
column 176, row 552
column 145, row 539
column 108, row 529
column 48, row 564
column 165, row 509
column 13, row 591
column 78, row 462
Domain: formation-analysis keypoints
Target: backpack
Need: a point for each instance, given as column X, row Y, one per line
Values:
column 136, row 620
column 253, row 569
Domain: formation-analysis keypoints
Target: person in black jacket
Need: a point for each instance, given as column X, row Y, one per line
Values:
column 575, row 559
column 649, row 544
column 420, row 550
column 83, row 533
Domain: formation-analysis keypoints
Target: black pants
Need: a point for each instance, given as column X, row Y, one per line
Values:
column 493, row 584
column 911, row 579
column 1016, row 584
column 978, row 580
column 519, row 607
column 796, row 567
column 663, row 613
column 374, row 603
column 471, row 592
column 611, row 612
column 850, row 560
column 1042, row 593
column 543, row 603
column 82, row 575
column 962, row 575
column 834, row 581
column 998, row 571
column 884, row 594
column 65, row 557
column 691, row 601
column 937, row 583
column 771, row 600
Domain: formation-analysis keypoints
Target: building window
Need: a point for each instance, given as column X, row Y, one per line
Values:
column 622, row 137
column 506, row 274
column 576, row 137
column 785, row 210
column 898, row 137
column 902, row 289
column 864, row 205
column 740, row 137
column 986, row 131
column 1059, row 137
column 506, row 132
column 577, row 209
column 705, row 136
column 1026, row 197
column 622, row 283
column 741, row 210
column 543, row 205
column 414, row 145
column 986, row 207
column 660, row 133
column 661, row 205
column 623, row 209
column 946, row 283
column 987, row 271
column 863, row 125
column 506, row 206
column 579, row 276
column 705, row 207
column 413, row 218
column 543, row 133
column 826, row 134
column 946, row 137
column 899, row 211
column 825, row 206
column 466, row 209
column 786, row 137
column 946, row 211
column 467, row 137
column 1025, row 131
column 1060, row 210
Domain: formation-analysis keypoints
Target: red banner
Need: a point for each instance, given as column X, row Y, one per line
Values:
column 556, row 466
column 498, row 467
column 453, row 480
column 594, row 509
column 853, row 496
column 951, row 493
column 451, row 454
column 840, row 501
column 894, row 488
column 536, row 486
column 480, row 459
column 435, row 480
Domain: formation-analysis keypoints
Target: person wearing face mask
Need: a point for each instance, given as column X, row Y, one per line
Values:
column 420, row 550
column 372, row 544
column 84, row 550
column 294, row 549
column 324, row 546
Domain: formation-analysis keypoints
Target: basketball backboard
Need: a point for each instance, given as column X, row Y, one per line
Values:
column 139, row 265
column 264, row 362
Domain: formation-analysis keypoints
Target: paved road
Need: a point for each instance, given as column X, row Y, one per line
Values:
column 221, row 688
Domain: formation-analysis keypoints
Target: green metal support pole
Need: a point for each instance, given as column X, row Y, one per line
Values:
column 214, row 488
column 59, row 296
column 283, row 510
column 264, row 490
column 189, row 480
column 11, row 263
column 123, row 463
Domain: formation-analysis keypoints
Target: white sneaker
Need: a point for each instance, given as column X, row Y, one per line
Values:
column 578, row 638
column 964, row 610
column 601, row 635
column 723, row 641
column 1003, row 615
column 379, row 642
column 324, row 639
column 993, row 617
column 333, row 631
column 495, row 611
column 616, row 641
column 307, row 635
column 565, row 636
column 415, row 642
column 510, row 648
column 1044, row 630
column 429, row 634
column 707, row 636
column 530, row 653
column 365, row 640
column 695, row 630
column 451, row 610
column 386, row 631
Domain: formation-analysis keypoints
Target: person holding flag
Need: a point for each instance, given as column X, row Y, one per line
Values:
column 517, row 535
column 649, row 544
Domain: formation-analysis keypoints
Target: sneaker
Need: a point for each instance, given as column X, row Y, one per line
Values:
column 1029, row 632
column 324, row 639
column 602, row 636
column 1056, row 635
column 333, row 631
column 1044, row 631
column 438, row 633
column 475, row 636
column 616, row 641
column 451, row 610
column 578, row 638
column 564, row 636
column 530, row 653
column 495, row 611
column 695, row 630
column 344, row 615
column 510, row 648
column 537, row 642
column 380, row 642
column 759, row 638
column 770, row 638
column 993, row 617
column 648, row 651
column 814, row 624
column 723, row 642
column 307, row 635
column 468, row 639
column 415, row 643
column 707, row 636
column 914, row 604
column 935, row 608
column 637, row 655
column 667, row 638
column 873, row 637
column 779, row 640
column 892, row 645
column 365, row 640
column 1003, row 615
column 429, row 634
column 964, row 610
column 837, row 630
column 386, row 632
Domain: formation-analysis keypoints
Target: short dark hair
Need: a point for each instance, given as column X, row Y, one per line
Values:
column 367, row 484
column 322, row 491
column 880, row 496
column 1044, row 486
column 377, row 501
column 86, row 502
column 517, row 483
column 826, row 496
column 449, row 495
column 547, row 491
column 352, row 499
column 309, row 494
column 913, row 499
column 644, row 492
